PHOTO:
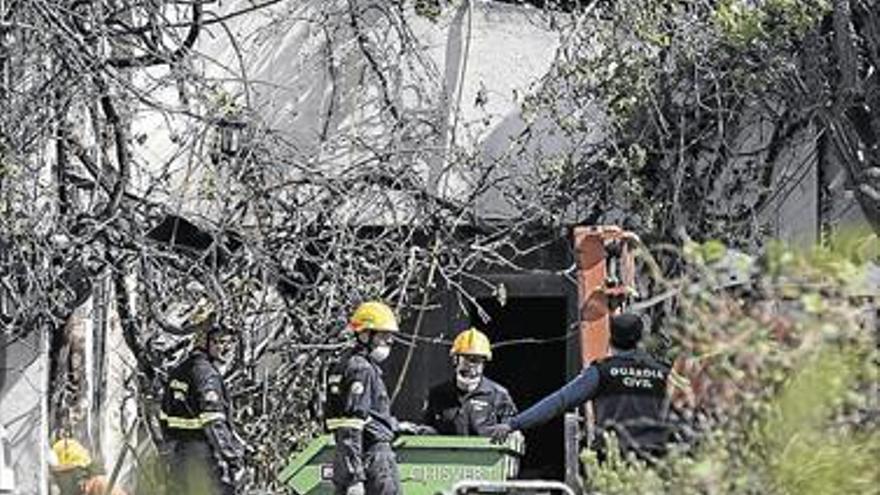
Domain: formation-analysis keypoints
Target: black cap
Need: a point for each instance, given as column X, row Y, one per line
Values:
column 218, row 328
column 626, row 331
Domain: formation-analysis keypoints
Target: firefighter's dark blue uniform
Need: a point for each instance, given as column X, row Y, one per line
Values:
column 359, row 415
column 204, row 454
column 629, row 394
column 451, row 411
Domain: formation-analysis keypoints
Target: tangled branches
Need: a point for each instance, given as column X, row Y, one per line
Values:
column 290, row 159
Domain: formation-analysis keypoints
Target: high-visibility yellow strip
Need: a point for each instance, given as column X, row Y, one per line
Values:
column 191, row 423
column 212, row 416
column 179, row 385
column 335, row 423
column 182, row 423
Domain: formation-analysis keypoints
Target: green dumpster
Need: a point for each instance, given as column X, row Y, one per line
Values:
column 428, row 464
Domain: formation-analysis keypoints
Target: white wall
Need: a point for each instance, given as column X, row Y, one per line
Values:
column 23, row 410
column 494, row 50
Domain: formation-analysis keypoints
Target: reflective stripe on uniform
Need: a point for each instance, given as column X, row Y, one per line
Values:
column 191, row 423
column 178, row 385
column 336, row 423
column 207, row 417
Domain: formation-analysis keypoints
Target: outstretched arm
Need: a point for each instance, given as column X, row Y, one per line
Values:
column 574, row 393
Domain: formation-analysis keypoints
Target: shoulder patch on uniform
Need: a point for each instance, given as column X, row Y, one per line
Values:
column 357, row 388
column 479, row 404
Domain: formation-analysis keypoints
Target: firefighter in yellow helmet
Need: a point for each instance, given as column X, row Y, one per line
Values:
column 74, row 473
column 359, row 409
column 470, row 403
column 204, row 454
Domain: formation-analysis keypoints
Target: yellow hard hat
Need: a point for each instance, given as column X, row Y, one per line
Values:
column 201, row 315
column 70, row 454
column 375, row 316
column 473, row 343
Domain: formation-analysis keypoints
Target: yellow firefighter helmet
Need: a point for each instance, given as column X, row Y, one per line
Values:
column 201, row 316
column 70, row 454
column 472, row 342
column 375, row 316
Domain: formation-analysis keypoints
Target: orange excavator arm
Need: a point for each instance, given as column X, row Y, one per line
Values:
column 606, row 280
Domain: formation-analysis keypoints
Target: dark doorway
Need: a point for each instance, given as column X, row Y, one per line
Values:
column 532, row 370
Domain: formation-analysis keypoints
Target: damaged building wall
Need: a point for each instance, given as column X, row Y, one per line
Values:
column 93, row 384
column 484, row 56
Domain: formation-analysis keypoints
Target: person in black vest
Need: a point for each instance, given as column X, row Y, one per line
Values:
column 628, row 390
column 203, row 453
column 471, row 403
column 359, row 409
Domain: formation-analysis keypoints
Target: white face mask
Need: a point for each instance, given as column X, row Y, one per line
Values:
column 467, row 384
column 468, row 373
column 380, row 353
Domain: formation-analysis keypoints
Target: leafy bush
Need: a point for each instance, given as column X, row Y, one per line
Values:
column 782, row 381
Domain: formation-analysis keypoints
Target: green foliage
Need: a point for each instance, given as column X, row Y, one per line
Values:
column 789, row 382
column 806, row 454
column 618, row 474
column 8, row 169
column 743, row 22
column 672, row 88
column 739, row 21
column 708, row 252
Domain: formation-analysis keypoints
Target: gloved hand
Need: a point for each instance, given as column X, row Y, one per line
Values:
column 414, row 428
column 356, row 489
column 408, row 428
column 500, row 432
